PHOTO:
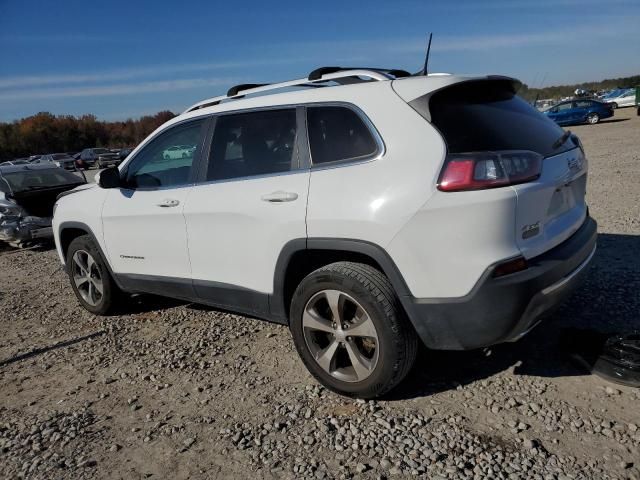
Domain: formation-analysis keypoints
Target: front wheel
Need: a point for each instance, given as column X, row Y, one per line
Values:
column 593, row 118
column 90, row 277
column 350, row 330
column 614, row 105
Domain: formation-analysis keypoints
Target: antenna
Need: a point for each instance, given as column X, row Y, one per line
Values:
column 426, row 59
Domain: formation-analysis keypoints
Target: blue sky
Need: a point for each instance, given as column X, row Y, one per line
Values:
column 120, row 59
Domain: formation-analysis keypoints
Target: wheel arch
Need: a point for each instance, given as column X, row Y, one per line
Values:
column 69, row 231
column 300, row 257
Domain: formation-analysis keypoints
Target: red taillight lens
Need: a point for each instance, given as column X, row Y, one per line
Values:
column 476, row 171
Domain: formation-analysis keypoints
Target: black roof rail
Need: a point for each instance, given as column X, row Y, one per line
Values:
column 233, row 91
column 319, row 72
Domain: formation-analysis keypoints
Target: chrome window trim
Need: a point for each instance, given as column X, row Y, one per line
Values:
column 380, row 150
column 379, row 153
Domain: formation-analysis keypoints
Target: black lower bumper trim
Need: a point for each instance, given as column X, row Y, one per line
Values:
column 503, row 309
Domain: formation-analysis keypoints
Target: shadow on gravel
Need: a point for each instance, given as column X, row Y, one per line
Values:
column 614, row 120
column 607, row 302
column 38, row 351
column 143, row 303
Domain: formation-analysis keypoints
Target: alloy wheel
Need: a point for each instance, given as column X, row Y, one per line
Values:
column 340, row 335
column 87, row 278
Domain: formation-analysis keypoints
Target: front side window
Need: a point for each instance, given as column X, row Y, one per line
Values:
column 564, row 106
column 583, row 104
column 161, row 163
column 337, row 134
column 254, row 143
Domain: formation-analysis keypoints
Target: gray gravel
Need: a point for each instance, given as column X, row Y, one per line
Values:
column 174, row 390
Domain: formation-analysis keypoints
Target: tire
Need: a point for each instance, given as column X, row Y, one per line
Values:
column 111, row 295
column 366, row 303
column 614, row 105
column 593, row 118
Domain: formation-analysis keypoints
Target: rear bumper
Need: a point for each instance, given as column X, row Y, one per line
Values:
column 504, row 309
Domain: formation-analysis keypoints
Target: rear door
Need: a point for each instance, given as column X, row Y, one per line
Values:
column 250, row 201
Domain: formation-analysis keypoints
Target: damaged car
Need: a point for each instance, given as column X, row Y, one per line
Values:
column 27, row 197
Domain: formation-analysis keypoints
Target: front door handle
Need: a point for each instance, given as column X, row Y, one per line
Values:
column 280, row 196
column 169, row 202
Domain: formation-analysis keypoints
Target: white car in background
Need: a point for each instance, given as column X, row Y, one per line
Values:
column 178, row 151
column 626, row 98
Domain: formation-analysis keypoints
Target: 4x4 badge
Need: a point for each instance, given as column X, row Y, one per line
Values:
column 529, row 231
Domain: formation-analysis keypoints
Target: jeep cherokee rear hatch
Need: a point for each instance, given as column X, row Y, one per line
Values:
column 495, row 140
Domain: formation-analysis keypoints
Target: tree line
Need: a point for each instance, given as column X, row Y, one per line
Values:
column 46, row 133
column 560, row 91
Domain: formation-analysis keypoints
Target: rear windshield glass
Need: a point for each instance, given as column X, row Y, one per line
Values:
column 39, row 179
column 487, row 115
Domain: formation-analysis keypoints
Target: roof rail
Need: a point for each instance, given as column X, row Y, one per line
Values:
column 324, row 74
column 319, row 72
column 233, row 91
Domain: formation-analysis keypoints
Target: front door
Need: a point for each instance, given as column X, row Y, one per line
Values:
column 251, row 202
column 143, row 222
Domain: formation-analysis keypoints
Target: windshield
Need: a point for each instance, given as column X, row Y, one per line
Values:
column 40, row 179
column 59, row 156
column 480, row 116
column 100, row 150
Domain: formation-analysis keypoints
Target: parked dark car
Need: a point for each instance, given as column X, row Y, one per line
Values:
column 108, row 159
column 124, row 153
column 89, row 157
column 579, row 111
column 62, row 160
column 27, row 196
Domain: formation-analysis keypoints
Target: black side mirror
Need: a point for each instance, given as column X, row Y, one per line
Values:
column 109, row 178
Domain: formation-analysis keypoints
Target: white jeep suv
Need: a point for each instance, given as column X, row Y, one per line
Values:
column 367, row 209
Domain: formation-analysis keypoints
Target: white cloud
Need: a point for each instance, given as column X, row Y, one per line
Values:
column 114, row 90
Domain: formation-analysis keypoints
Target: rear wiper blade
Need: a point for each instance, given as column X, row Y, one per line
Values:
column 559, row 142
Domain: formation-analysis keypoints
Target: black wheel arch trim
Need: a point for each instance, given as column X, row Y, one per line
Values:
column 349, row 245
column 83, row 226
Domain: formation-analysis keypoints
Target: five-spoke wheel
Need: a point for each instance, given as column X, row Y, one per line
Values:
column 340, row 335
column 87, row 277
column 350, row 330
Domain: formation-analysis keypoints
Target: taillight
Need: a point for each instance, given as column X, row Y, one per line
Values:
column 477, row 171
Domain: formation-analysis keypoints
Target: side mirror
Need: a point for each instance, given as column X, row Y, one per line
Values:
column 109, row 178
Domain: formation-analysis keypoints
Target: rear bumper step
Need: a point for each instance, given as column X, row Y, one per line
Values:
column 504, row 309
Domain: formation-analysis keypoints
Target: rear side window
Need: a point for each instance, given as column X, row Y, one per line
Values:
column 487, row 115
column 255, row 143
column 338, row 134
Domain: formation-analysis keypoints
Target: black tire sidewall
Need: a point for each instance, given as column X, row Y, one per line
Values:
column 87, row 244
column 387, row 340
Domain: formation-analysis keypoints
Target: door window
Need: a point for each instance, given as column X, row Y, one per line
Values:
column 338, row 133
column 583, row 104
column 255, row 143
column 564, row 106
column 166, row 161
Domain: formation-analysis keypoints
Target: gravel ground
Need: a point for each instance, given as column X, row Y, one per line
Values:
column 174, row 390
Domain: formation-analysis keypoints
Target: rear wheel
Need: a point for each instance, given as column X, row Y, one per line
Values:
column 593, row 118
column 90, row 278
column 350, row 330
column 614, row 105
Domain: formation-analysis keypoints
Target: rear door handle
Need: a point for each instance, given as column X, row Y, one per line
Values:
column 169, row 202
column 280, row 196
